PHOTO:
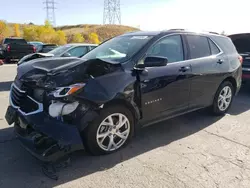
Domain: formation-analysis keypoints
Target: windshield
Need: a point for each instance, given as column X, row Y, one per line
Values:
column 59, row 50
column 118, row 49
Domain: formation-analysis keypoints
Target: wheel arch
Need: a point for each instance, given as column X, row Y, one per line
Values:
column 131, row 106
column 231, row 79
column 233, row 82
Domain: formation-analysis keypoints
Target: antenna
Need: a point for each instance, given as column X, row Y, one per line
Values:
column 50, row 11
column 112, row 12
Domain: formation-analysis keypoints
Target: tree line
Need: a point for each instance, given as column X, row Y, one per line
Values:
column 45, row 33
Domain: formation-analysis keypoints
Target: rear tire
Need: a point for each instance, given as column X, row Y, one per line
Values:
column 223, row 98
column 111, row 131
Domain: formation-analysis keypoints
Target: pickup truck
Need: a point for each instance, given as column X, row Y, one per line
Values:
column 13, row 49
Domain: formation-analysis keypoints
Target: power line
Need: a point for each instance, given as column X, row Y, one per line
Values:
column 50, row 11
column 112, row 12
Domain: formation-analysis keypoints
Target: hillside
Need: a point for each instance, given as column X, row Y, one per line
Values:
column 103, row 31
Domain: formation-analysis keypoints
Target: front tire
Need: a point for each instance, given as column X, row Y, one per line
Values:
column 223, row 98
column 111, row 131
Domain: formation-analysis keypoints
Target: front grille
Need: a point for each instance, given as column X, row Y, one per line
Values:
column 23, row 102
column 17, row 96
column 27, row 105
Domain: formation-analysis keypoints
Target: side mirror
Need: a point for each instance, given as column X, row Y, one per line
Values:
column 155, row 61
column 66, row 54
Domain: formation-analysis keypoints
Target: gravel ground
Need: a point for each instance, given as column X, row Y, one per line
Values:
column 194, row 150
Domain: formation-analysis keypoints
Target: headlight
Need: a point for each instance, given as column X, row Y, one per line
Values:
column 68, row 90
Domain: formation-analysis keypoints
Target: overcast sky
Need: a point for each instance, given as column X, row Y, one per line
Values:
column 213, row 15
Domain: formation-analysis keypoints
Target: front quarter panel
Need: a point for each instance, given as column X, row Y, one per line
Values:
column 118, row 85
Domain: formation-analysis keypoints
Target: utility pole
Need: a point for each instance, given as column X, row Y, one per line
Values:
column 112, row 12
column 50, row 11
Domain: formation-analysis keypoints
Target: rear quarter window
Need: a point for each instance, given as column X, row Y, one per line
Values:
column 225, row 43
column 214, row 49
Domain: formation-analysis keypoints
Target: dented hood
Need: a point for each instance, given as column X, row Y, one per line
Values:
column 62, row 71
column 47, row 65
column 34, row 56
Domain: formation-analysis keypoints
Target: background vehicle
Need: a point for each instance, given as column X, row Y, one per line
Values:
column 35, row 43
column 45, row 48
column 13, row 49
column 130, row 81
column 68, row 50
column 242, row 44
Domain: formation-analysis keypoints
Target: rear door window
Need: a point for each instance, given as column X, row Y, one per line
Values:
column 198, row 46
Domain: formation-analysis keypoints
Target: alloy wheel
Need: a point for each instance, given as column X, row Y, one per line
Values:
column 224, row 98
column 113, row 132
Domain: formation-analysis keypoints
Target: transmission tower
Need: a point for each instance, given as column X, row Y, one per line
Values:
column 50, row 11
column 112, row 12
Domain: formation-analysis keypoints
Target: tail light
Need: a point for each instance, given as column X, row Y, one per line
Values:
column 34, row 49
column 8, row 48
column 240, row 59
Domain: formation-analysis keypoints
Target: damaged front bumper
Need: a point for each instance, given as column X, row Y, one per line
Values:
column 46, row 138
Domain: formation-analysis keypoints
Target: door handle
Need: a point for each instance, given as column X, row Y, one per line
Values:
column 184, row 69
column 220, row 61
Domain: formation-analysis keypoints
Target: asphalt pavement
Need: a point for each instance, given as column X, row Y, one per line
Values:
column 194, row 150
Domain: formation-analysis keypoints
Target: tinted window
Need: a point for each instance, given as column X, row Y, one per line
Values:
column 198, row 46
column 213, row 47
column 14, row 41
column 169, row 47
column 78, row 51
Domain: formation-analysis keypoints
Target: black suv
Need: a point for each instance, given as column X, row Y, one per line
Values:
column 98, row 102
column 242, row 44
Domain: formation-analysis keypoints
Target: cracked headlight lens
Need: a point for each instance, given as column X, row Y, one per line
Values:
column 67, row 90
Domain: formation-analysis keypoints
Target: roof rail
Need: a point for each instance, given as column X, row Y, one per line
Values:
column 190, row 30
column 176, row 29
column 212, row 32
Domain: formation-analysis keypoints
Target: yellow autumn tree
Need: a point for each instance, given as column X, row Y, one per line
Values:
column 4, row 30
column 45, row 33
column 30, row 33
column 78, row 38
column 94, row 38
column 17, row 30
column 60, row 38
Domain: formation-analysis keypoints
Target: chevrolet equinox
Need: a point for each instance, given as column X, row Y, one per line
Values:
column 97, row 102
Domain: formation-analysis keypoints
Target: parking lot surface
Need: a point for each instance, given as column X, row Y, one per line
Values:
column 194, row 150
